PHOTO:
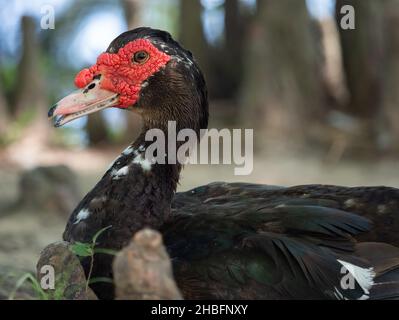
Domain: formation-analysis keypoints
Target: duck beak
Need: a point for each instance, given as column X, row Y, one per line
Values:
column 89, row 99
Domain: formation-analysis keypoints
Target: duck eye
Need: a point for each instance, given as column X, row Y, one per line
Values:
column 140, row 57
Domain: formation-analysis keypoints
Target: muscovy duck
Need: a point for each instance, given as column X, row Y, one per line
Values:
column 225, row 240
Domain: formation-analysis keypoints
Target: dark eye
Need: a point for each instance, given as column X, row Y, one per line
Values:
column 140, row 57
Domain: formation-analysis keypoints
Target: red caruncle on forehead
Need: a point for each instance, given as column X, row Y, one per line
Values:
column 121, row 74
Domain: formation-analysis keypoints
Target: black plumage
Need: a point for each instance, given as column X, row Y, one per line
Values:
column 236, row 241
column 297, row 234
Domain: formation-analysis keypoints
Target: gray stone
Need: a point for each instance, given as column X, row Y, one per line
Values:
column 70, row 280
column 143, row 271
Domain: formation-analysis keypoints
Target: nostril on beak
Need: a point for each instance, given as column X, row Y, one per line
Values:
column 51, row 111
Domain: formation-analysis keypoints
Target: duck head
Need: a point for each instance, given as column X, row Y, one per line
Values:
column 146, row 71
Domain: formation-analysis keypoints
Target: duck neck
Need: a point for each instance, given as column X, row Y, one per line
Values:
column 149, row 185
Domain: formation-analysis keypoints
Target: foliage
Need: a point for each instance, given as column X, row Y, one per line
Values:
column 42, row 295
column 80, row 249
column 85, row 250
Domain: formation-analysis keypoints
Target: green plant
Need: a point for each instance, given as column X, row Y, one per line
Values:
column 35, row 286
column 80, row 249
column 85, row 250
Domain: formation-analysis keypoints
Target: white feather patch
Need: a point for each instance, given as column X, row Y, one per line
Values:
column 117, row 174
column 128, row 151
column 83, row 214
column 363, row 276
column 144, row 163
column 144, row 84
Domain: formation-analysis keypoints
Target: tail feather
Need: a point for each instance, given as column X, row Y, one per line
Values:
column 385, row 291
column 384, row 259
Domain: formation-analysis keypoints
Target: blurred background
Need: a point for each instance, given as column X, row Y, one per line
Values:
column 323, row 101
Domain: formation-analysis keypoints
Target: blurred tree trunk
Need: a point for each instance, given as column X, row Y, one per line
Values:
column 226, row 62
column 30, row 92
column 132, row 9
column 4, row 116
column 30, row 100
column 282, row 91
column 231, row 59
column 192, row 34
column 362, row 57
column 391, row 73
column 233, row 27
column 96, row 129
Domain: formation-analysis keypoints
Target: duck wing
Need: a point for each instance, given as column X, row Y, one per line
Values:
column 244, row 241
column 378, row 204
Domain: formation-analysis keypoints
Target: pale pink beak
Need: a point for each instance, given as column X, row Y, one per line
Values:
column 89, row 99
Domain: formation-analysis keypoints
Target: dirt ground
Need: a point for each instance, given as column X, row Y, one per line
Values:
column 23, row 233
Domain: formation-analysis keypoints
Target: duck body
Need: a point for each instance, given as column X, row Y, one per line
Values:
column 248, row 241
column 226, row 241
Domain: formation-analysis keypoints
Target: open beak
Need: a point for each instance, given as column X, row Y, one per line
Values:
column 89, row 99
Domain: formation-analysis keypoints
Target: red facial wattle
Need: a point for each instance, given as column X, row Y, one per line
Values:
column 120, row 74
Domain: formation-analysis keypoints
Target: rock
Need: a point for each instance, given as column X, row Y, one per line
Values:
column 52, row 188
column 143, row 271
column 69, row 276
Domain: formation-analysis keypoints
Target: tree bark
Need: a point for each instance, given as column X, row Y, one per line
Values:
column 29, row 92
column 4, row 113
column 233, row 27
column 282, row 91
column 191, row 32
column 362, row 58
column 231, row 59
column 96, row 129
column 391, row 75
column 30, row 96
column 132, row 9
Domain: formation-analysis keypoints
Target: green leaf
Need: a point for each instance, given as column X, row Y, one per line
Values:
column 106, row 251
column 34, row 283
column 88, row 249
column 99, row 232
column 82, row 249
